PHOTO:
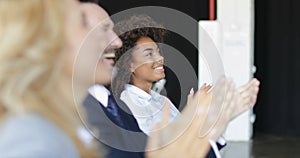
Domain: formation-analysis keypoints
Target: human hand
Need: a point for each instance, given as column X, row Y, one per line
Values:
column 182, row 138
column 227, row 104
column 221, row 108
column 247, row 97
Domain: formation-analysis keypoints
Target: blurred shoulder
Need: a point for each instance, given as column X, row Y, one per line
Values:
column 31, row 135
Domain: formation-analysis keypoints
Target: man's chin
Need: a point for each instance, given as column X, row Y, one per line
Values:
column 103, row 81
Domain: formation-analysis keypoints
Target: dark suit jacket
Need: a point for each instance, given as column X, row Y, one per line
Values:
column 126, row 142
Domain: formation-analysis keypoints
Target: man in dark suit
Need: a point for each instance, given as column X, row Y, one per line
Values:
column 109, row 118
column 116, row 128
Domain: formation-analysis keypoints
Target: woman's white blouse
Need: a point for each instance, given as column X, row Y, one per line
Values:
column 147, row 108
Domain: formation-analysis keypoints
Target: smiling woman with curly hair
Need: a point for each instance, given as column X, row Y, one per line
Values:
column 140, row 64
column 130, row 32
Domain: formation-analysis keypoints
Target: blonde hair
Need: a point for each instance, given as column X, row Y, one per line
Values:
column 31, row 57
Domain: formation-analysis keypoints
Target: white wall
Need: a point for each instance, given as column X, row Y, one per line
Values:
column 232, row 33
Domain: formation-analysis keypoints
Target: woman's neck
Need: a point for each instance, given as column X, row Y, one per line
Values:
column 145, row 86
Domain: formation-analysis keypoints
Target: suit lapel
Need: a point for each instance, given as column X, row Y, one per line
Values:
column 130, row 138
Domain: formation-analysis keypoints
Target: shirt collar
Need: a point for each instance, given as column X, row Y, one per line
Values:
column 137, row 91
column 100, row 93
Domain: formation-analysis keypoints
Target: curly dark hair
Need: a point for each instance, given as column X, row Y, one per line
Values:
column 130, row 31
